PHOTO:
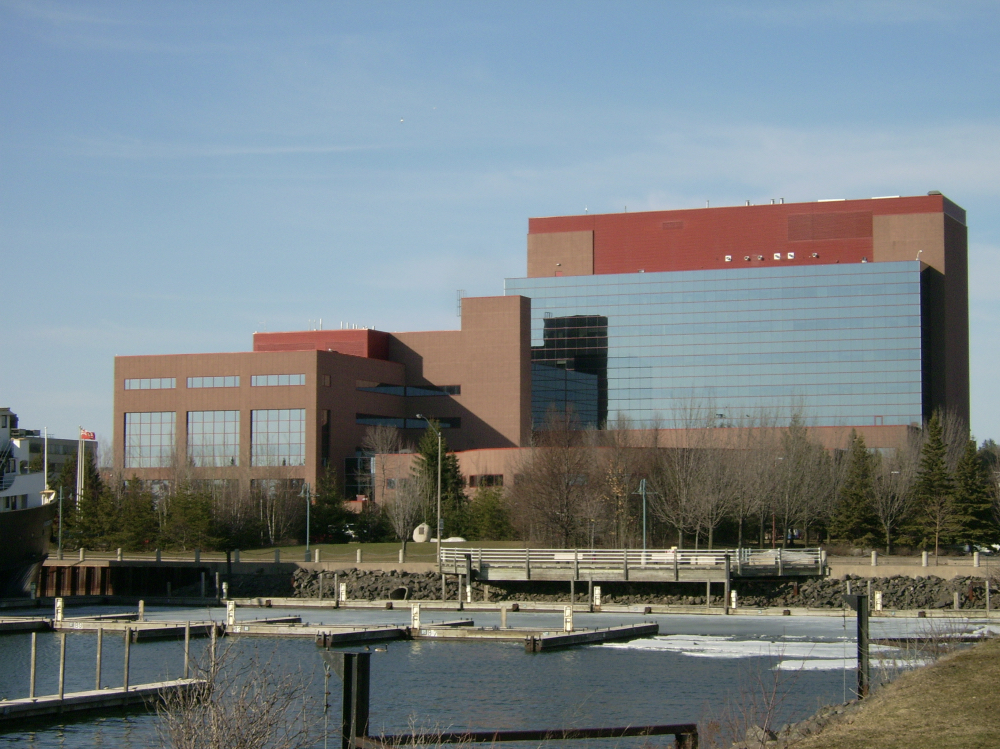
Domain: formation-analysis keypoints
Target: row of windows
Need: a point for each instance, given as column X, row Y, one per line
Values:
column 445, row 422
column 277, row 380
column 232, row 381
column 766, row 298
column 151, row 383
column 412, row 391
column 214, row 382
column 277, row 438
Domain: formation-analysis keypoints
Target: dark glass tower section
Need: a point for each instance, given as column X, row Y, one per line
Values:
column 569, row 371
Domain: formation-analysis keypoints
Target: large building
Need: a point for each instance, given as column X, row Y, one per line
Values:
column 853, row 314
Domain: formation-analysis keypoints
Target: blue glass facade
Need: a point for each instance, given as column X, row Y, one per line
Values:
column 839, row 343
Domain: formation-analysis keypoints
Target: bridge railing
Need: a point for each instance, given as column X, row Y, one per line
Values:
column 756, row 561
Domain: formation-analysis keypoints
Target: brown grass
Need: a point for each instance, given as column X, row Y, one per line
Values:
column 952, row 703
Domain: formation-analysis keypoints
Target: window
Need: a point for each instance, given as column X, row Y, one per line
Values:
column 277, row 380
column 326, row 381
column 278, row 437
column 486, row 479
column 445, row 422
column 214, row 382
column 155, row 383
column 149, row 439
column 213, row 438
column 413, row 391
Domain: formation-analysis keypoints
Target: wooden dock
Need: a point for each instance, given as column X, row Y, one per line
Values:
column 536, row 640
column 34, row 624
column 49, row 706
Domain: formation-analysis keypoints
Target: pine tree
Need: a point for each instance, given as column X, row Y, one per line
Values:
column 934, row 491
column 329, row 518
column 138, row 527
column 854, row 520
column 453, row 500
column 973, row 504
column 488, row 516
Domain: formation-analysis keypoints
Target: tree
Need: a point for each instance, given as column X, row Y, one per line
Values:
column 406, row 507
column 854, row 520
column 489, row 516
column 329, row 517
column 425, row 467
column 189, row 522
column 934, row 492
column 138, row 529
column 973, row 503
column 379, row 441
column 892, row 488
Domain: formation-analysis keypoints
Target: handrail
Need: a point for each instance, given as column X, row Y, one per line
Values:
column 604, row 558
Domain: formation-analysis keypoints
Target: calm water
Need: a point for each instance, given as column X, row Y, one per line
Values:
column 682, row 676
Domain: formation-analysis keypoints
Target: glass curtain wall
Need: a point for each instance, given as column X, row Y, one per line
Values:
column 213, row 438
column 278, row 437
column 149, row 439
column 841, row 344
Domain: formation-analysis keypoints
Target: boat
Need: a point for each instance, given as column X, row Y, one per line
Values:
column 26, row 510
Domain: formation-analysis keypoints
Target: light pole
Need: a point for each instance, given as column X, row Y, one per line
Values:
column 438, row 433
column 642, row 493
column 306, row 492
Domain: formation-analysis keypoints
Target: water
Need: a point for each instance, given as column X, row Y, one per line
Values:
column 684, row 675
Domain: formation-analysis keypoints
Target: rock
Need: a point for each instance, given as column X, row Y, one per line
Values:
column 757, row 735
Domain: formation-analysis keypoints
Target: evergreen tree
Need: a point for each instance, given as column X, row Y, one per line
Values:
column 973, row 503
column 854, row 520
column 936, row 517
column 329, row 518
column 453, row 499
column 488, row 518
column 138, row 526
column 88, row 518
column 188, row 522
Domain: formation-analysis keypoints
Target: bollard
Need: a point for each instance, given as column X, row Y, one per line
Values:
column 732, row 600
column 225, row 591
column 401, row 557
column 503, row 617
column 567, row 619
column 203, row 583
column 100, row 648
column 343, row 592
column 277, row 556
column 60, row 606
column 874, row 558
column 197, row 556
column 316, row 555
column 359, row 556
column 83, row 554
column 159, row 556
column 923, row 559
column 236, row 556
column 62, row 664
column 415, row 616
column 142, row 611
column 957, row 603
column 597, row 598
column 878, row 600
column 975, row 559
column 230, row 613
column 34, row 659
column 187, row 649
column 119, row 555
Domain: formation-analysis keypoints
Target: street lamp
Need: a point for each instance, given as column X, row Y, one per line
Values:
column 642, row 492
column 438, row 433
column 306, row 492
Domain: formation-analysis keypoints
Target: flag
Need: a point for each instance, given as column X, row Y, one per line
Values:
column 87, row 435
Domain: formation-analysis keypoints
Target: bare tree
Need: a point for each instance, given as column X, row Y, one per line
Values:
column 553, row 498
column 242, row 703
column 378, row 441
column 892, row 490
column 406, row 506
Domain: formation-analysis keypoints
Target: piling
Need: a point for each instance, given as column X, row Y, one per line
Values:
column 503, row 617
column 62, row 664
column 59, row 609
column 100, row 648
column 957, row 603
column 119, row 556
column 725, row 594
column 34, row 661
column 230, row 613
column 203, row 583
column 572, row 592
column 187, row 649
column 415, row 617
column 708, row 594
column 217, row 587
column 128, row 656
column 322, row 577
column 142, row 611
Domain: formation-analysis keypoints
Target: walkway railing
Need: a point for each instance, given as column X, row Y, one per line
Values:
column 742, row 561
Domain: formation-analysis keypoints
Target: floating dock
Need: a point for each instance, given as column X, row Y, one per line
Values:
column 35, row 624
column 536, row 640
column 34, row 708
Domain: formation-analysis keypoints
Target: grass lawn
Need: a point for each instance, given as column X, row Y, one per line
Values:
column 384, row 552
column 952, row 704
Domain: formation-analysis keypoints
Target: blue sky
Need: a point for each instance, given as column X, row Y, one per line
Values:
column 175, row 176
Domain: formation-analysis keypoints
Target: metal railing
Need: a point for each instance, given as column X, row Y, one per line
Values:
column 756, row 561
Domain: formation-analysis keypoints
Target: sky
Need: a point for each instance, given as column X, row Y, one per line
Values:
column 175, row 176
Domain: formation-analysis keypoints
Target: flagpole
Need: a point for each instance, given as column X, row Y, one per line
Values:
column 79, row 470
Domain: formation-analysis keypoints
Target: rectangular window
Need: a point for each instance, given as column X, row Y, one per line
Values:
column 154, row 383
column 149, row 439
column 486, row 479
column 214, row 382
column 277, row 380
column 213, row 438
column 326, row 381
column 373, row 420
column 278, row 437
column 412, row 391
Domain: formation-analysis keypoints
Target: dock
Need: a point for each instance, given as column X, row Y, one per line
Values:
column 537, row 640
column 33, row 708
column 34, row 624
